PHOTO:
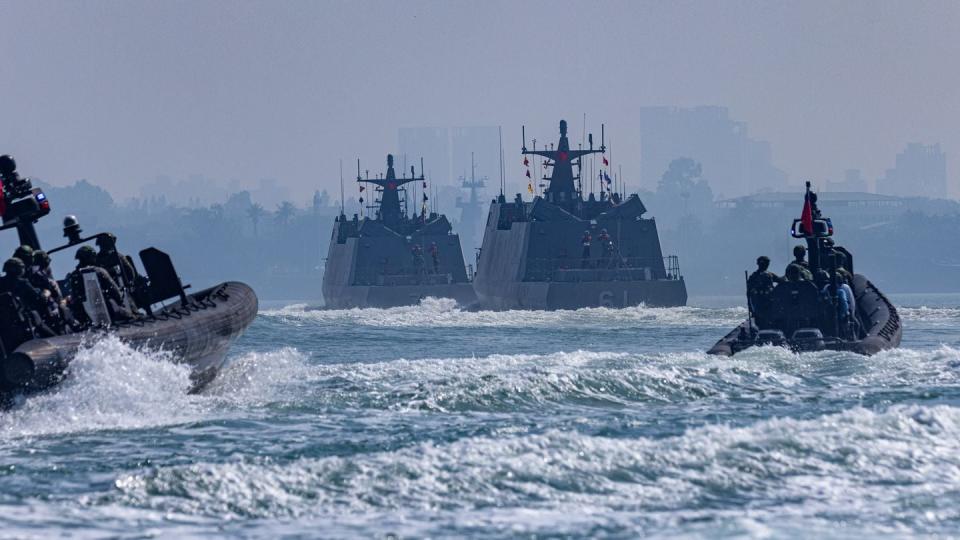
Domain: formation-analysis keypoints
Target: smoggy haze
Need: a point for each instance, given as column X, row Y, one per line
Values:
column 121, row 92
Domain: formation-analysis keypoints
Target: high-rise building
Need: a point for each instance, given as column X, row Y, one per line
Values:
column 920, row 171
column 733, row 163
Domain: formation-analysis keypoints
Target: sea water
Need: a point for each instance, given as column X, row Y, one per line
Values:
column 431, row 421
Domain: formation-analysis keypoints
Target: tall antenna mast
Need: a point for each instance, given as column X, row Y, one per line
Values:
column 341, row 187
column 500, row 131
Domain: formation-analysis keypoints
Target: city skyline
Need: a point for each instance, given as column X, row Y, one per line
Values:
column 284, row 91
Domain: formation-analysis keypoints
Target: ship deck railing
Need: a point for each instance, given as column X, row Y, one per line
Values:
column 604, row 268
column 424, row 275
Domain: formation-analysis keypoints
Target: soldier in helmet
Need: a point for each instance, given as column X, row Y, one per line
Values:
column 802, row 270
column 31, row 300
column 115, row 263
column 14, row 282
column 118, row 265
column 760, row 285
column 87, row 260
column 841, row 261
column 41, row 277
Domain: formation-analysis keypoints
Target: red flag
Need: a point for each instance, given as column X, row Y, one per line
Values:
column 806, row 218
column 528, row 174
column 526, row 162
column 605, row 162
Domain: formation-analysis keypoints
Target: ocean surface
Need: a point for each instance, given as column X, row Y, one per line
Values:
column 429, row 421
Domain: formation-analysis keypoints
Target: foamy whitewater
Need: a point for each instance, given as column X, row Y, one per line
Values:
column 430, row 421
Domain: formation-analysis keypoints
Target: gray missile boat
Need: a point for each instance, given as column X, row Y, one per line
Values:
column 562, row 251
column 392, row 258
column 196, row 328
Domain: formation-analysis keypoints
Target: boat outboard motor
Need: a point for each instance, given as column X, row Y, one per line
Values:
column 771, row 337
column 808, row 339
column 94, row 303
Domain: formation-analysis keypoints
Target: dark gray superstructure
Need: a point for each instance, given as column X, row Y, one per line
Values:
column 563, row 252
column 394, row 259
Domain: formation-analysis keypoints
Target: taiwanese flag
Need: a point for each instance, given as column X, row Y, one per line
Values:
column 605, row 162
column 806, row 218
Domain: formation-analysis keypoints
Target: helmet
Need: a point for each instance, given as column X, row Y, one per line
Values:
column 799, row 251
column 41, row 258
column 86, row 253
column 107, row 240
column 14, row 266
column 25, row 254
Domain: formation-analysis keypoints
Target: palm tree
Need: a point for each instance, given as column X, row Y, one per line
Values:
column 255, row 213
column 285, row 212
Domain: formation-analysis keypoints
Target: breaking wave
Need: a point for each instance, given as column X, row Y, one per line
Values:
column 837, row 467
column 108, row 385
column 446, row 313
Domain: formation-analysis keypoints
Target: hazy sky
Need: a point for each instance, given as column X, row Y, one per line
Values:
column 120, row 92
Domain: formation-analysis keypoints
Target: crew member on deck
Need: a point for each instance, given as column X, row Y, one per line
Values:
column 605, row 246
column 585, row 242
column 435, row 255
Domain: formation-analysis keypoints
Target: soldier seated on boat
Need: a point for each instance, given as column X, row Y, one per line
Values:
column 760, row 285
column 87, row 259
column 123, row 272
column 841, row 262
column 32, row 301
column 799, row 261
column 39, row 274
column 846, row 303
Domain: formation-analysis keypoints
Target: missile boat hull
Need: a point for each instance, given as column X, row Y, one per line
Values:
column 197, row 332
column 881, row 329
column 536, row 263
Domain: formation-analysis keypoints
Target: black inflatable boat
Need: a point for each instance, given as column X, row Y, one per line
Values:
column 817, row 313
column 197, row 332
column 879, row 323
column 197, row 328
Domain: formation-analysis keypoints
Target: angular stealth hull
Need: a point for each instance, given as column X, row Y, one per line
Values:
column 370, row 266
column 537, row 262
